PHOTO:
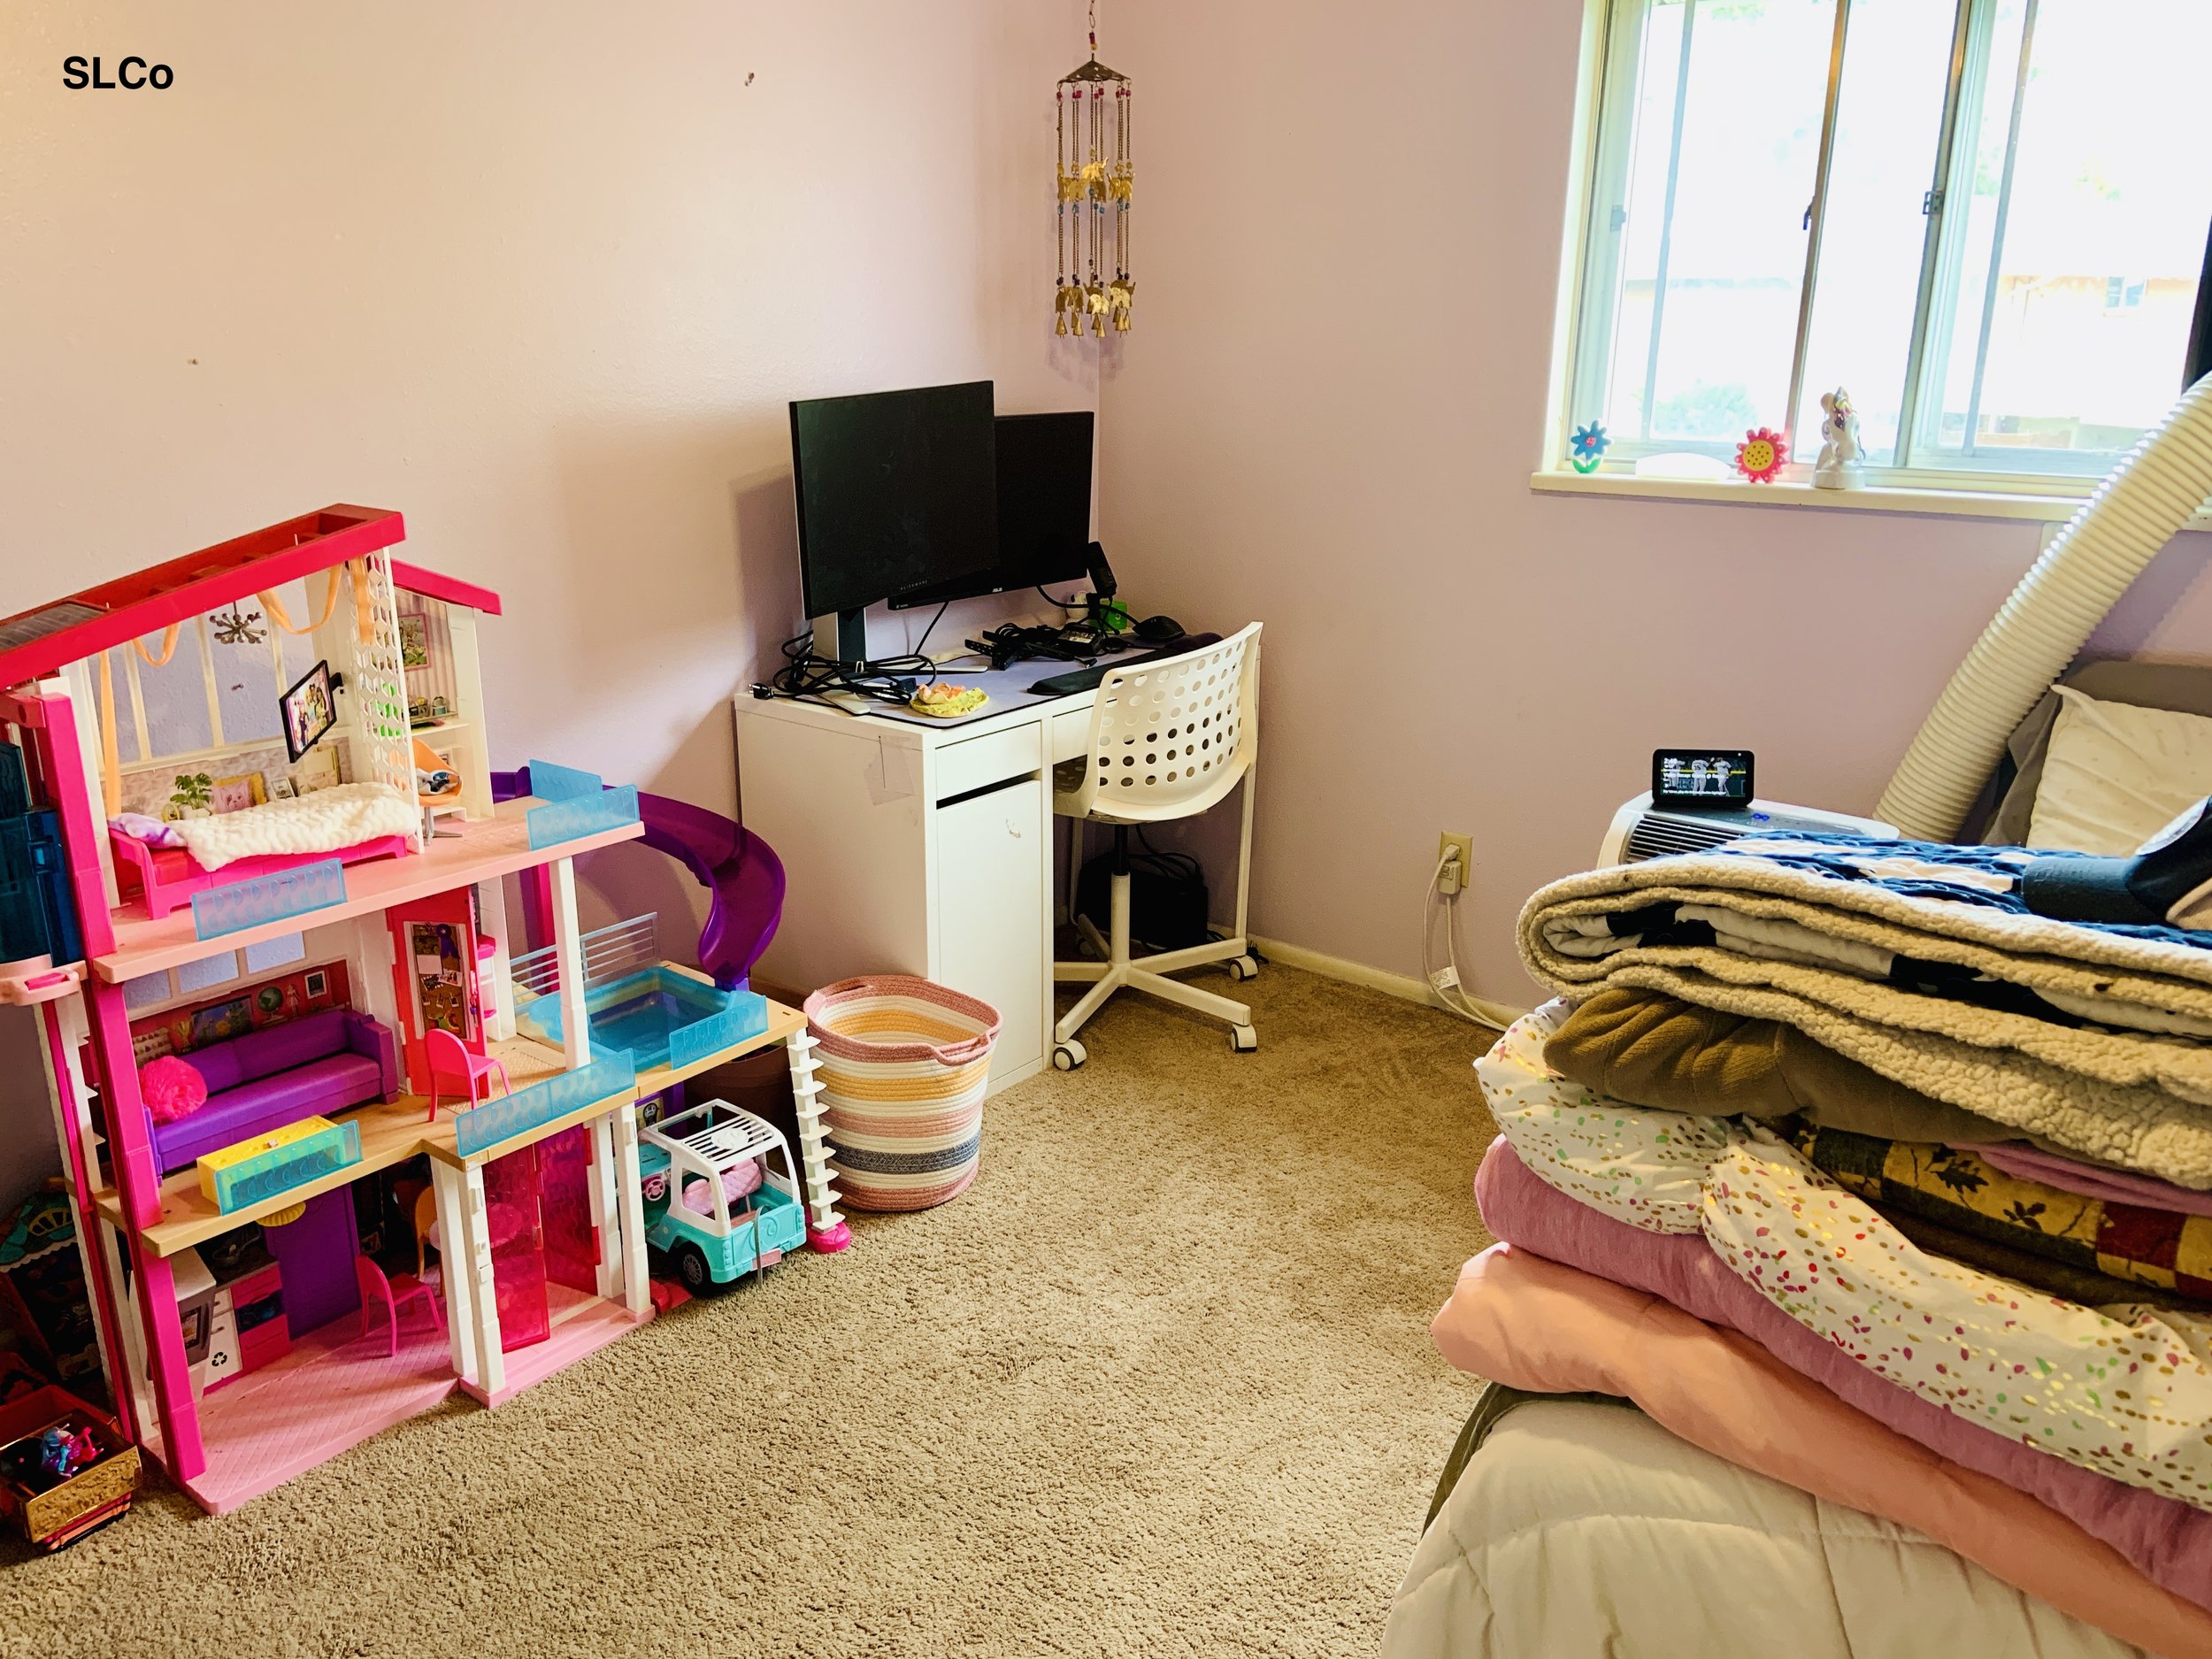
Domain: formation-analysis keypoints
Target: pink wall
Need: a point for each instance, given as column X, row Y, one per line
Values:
column 1327, row 417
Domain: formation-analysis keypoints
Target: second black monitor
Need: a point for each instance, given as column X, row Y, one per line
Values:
column 1044, row 509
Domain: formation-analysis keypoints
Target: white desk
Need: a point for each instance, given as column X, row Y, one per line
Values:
column 918, row 849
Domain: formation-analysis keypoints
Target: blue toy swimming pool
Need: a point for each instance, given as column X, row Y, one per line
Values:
column 656, row 1016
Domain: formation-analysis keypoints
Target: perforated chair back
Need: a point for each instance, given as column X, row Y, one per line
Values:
column 1169, row 738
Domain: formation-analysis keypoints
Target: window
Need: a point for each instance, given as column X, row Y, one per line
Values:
column 1986, row 218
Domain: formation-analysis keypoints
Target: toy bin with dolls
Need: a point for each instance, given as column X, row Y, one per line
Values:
column 65, row 1471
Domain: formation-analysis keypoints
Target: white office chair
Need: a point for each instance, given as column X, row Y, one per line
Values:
column 1168, row 740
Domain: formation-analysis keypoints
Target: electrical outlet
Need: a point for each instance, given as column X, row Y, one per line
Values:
column 1457, row 874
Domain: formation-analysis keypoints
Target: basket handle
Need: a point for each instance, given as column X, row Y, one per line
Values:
column 950, row 1054
column 961, row 1053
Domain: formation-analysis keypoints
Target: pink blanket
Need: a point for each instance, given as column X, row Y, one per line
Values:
column 2169, row 1541
column 1535, row 1324
column 2070, row 1175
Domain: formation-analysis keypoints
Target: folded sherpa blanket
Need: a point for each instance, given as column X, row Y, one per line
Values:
column 1921, row 963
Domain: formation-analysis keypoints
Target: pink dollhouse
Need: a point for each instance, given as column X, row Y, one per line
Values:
column 256, row 877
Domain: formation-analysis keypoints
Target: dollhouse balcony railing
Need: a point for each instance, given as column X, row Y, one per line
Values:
column 607, row 953
column 479, row 1128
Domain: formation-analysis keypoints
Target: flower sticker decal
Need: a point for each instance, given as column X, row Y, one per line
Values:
column 1760, row 456
column 1589, row 447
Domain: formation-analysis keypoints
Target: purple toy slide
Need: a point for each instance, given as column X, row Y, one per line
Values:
column 740, row 872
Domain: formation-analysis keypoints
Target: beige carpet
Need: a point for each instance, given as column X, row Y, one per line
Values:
column 1160, row 1383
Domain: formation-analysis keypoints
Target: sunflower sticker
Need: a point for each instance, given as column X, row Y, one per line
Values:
column 1759, row 458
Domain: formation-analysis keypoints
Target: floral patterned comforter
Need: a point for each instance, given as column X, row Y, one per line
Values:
column 2125, row 1391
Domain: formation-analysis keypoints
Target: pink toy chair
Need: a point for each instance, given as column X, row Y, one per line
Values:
column 395, row 1294
column 450, row 1062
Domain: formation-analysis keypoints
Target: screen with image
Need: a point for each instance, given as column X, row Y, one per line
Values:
column 1712, row 778
column 309, row 709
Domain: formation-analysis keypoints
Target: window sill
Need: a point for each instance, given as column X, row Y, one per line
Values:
column 1963, row 503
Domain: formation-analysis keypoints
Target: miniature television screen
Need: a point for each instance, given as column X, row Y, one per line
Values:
column 310, row 710
column 1707, row 779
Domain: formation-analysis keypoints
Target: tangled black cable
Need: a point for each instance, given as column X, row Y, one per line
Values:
column 811, row 679
column 1065, row 642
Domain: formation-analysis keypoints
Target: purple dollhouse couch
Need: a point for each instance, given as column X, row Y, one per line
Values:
column 320, row 1063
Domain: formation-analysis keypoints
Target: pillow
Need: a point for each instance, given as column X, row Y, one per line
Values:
column 2186, row 687
column 172, row 1088
column 152, row 831
column 2115, row 775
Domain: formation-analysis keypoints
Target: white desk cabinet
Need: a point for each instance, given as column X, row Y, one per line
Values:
column 915, row 850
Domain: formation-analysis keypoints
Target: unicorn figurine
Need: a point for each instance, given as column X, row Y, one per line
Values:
column 1837, row 467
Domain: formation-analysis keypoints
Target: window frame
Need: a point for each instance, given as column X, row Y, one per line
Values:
column 1606, row 138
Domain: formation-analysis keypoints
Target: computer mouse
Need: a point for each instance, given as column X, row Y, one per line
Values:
column 1158, row 630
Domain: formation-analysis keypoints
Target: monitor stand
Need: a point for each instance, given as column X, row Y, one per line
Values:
column 843, row 637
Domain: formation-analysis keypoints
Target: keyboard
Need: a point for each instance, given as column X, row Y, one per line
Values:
column 1090, row 679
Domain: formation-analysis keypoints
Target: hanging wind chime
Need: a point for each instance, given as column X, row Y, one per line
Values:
column 1096, row 183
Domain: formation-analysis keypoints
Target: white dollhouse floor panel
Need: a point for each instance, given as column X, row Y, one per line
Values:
column 332, row 1391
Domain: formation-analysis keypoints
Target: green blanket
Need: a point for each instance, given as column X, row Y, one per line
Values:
column 1650, row 1048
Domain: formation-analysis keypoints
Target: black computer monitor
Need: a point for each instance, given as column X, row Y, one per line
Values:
column 896, row 491
column 1044, row 509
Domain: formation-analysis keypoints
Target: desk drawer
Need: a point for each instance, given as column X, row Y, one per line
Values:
column 980, row 762
column 1070, row 734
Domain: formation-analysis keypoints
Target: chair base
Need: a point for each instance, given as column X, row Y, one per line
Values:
column 1120, row 970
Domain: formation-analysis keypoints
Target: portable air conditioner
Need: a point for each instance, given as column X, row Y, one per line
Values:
column 1640, row 831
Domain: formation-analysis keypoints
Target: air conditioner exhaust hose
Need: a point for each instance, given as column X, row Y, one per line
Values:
column 2043, row 626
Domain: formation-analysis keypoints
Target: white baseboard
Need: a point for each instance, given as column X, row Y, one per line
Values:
column 1403, row 985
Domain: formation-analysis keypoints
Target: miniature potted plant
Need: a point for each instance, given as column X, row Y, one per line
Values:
column 192, row 796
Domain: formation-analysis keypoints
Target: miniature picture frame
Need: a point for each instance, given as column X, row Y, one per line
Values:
column 283, row 789
column 310, row 710
column 414, row 640
column 237, row 793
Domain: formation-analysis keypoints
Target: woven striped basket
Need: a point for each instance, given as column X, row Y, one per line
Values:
column 903, row 1063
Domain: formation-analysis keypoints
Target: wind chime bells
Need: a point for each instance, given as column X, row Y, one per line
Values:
column 1097, row 183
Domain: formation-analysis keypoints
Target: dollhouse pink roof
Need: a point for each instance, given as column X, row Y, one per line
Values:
column 432, row 585
column 38, row 641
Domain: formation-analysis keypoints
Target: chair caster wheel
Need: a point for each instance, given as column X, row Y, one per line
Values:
column 1242, row 968
column 1069, row 1054
column 1244, row 1040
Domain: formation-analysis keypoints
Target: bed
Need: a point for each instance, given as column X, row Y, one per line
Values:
column 350, row 822
column 1590, row 1530
column 1855, row 1293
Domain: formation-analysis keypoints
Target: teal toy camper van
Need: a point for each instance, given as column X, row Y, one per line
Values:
column 717, row 1205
